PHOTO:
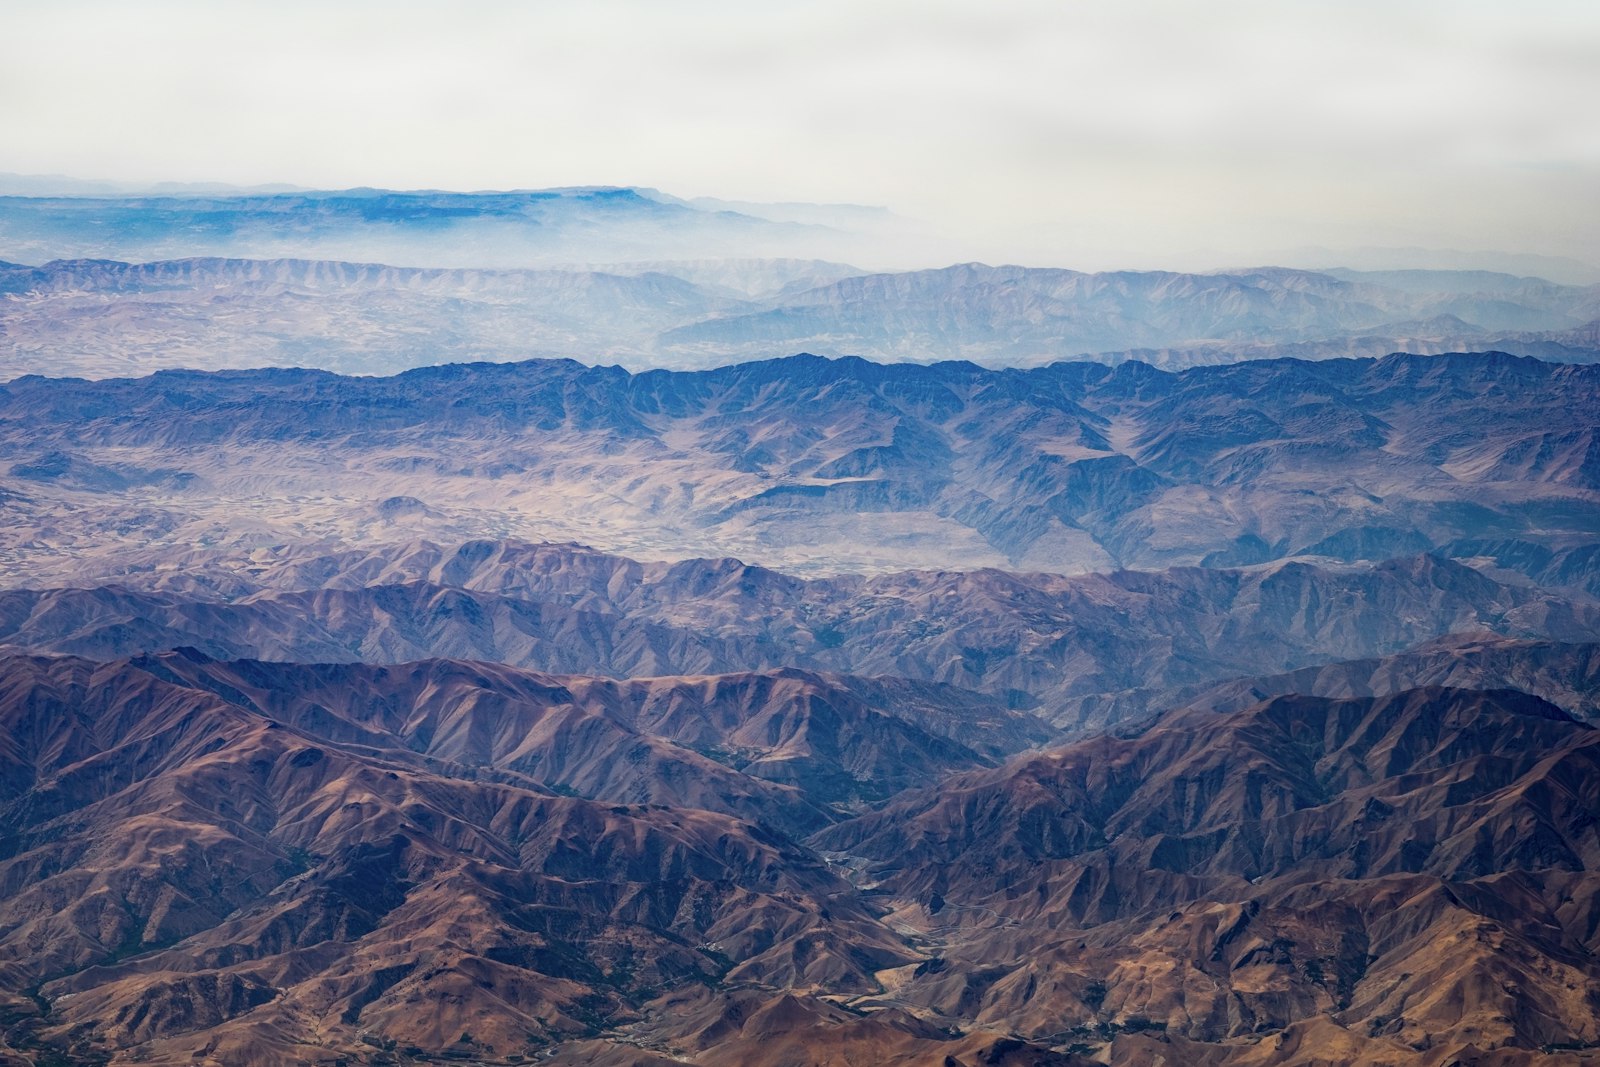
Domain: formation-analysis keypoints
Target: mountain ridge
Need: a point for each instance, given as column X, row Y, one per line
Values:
column 824, row 465
column 1183, row 880
column 716, row 306
column 1082, row 653
column 1268, row 883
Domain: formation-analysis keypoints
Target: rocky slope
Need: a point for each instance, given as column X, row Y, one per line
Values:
column 187, row 876
column 246, row 863
column 1567, row 675
column 788, row 748
column 1401, row 879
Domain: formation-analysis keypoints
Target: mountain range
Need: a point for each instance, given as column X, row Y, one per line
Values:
column 251, row 863
column 821, row 466
column 1076, row 653
column 514, row 228
column 498, row 658
column 105, row 318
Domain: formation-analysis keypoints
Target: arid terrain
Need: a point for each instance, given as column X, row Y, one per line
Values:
column 826, row 534
column 245, row 862
column 820, row 466
column 803, row 713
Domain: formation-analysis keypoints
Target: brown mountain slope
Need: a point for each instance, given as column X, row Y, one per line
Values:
column 784, row 747
column 246, row 863
column 1417, row 872
column 185, row 876
column 750, row 1028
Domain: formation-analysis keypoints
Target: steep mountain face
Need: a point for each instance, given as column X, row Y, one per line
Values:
column 660, row 298
column 1078, row 652
column 252, row 863
column 818, row 465
column 814, row 744
column 186, row 875
column 1388, row 880
column 1575, row 567
column 1220, row 789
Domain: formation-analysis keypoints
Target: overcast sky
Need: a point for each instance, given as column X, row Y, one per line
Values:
column 1138, row 133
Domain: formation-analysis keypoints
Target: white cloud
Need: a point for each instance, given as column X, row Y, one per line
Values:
column 1141, row 129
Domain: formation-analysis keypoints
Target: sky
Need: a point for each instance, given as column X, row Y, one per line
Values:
column 1135, row 133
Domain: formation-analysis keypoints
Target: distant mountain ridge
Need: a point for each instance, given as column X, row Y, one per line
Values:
column 1028, row 316
column 102, row 317
column 1080, row 653
column 480, row 230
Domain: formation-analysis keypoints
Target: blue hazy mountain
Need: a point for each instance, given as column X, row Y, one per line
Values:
column 423, row 227
column 101, row 318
